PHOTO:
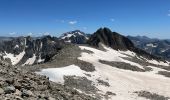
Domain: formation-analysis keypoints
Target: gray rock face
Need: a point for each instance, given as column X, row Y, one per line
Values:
column 111, row 39
column 153, row 46
column 117, row 42
column 43, row 48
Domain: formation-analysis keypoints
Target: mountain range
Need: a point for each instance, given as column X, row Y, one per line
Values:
column 104, row 65
column 156, row 47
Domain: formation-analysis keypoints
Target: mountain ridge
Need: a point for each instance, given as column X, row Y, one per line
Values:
column 95, row 70
column 156, row 47
column 76, row 37
column 37, row 48
column 117, row 42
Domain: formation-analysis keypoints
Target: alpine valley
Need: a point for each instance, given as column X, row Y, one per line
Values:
column 104, row 65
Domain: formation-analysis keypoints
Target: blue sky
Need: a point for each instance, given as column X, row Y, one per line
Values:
column 128, row 17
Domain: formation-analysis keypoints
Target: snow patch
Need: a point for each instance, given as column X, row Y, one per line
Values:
column 15, row 59
column 68, row 36
column 164, row 50
column 79, row 33
column 69, row 41
column 17, row 46
column 158, row 62
column 40, row 60
column 30, row 61
column 41, row 45
column 151, row 45
column 128, row 52
column 57, row 74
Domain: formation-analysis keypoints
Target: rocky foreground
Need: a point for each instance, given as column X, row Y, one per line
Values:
column 19, row 84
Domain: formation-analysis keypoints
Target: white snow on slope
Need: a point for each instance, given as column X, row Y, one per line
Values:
column 17, row 46
column 40, row 60
column 69, row 41
column 151, row 45
column 129, row 53
column 57, row 74
column 109, row 55
column 68, row 36
column 30, row 61
column 122, row 82
column 163, row 50
column 125, row 82
column 15, row 59
column 158, row 63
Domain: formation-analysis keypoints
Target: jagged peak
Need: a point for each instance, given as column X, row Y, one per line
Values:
column 116, row 41
column 73, row 33
column 76, row 37
column 111, row 39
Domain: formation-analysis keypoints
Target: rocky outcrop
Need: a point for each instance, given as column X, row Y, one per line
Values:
column 31, row 50
column 20, row 84
column 111, row 39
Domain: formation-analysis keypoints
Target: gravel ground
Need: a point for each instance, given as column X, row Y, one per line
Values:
column 22, row 84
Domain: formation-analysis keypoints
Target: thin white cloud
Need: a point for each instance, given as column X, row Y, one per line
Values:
column 64, row 21
column 169, row 14
column 112, row 19
column 12, row 33
column 72, row 22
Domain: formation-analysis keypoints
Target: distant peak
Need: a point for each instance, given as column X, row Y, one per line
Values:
column 104, row 29
column 76, row 31
column 111, row 39
column 76, row 36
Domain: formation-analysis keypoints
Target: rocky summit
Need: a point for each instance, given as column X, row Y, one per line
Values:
column 116, row 41
column 102, row 66
column 111, row 39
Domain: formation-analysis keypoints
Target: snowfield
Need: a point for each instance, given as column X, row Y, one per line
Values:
column 122, row 82
column 158, row 63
